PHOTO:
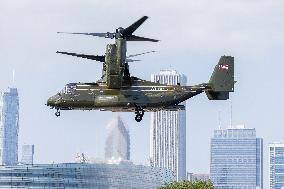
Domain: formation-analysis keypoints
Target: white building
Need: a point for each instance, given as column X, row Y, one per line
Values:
column 168, row 131
column 117, row 144
column 27, row 154
column 9, row 127
column 276, row 165
column 195, row 176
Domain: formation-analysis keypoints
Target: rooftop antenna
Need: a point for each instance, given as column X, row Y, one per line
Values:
column 219, row 118
column 151, row 162
column 231, row 112
column 13, row 76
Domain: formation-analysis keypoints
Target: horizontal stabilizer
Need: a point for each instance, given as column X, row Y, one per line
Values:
column 211, row 95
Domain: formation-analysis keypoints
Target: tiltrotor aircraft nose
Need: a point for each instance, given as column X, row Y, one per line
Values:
column 53, row 101
column 50, row 101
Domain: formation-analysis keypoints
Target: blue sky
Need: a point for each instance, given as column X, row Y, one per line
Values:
column 193, row 34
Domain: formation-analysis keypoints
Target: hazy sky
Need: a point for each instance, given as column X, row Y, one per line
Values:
column 193, row 34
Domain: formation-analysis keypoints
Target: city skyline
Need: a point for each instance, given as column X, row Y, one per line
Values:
column 192, row 40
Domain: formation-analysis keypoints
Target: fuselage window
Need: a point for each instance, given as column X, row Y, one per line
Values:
column 70, row 89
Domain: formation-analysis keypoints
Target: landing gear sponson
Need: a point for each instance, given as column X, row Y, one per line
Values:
column 139, row 111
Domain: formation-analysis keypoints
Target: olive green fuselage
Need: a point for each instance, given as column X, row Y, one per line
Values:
column 149, row 95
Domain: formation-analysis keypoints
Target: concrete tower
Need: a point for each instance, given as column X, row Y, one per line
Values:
column 168, row 131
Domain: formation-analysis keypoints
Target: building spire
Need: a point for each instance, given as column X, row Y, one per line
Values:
column 219, row 118
column 231, row 113
column 13, row 76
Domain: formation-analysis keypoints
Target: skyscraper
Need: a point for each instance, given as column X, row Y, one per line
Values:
column 276, row 165
column 236, row 159
column 9, row 127
column 117, row 144
column 28, row 154
column 168, row 131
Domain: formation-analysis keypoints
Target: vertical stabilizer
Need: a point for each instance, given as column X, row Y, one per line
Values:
column 222, row 80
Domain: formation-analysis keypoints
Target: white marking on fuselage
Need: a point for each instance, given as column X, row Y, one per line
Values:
column 150, row 90
column 167, row 86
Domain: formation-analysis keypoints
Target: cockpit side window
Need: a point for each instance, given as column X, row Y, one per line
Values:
column 70, row 88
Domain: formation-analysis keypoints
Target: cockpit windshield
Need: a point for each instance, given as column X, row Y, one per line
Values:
column 69, row 88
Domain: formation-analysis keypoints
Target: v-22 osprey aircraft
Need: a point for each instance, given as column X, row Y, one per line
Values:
column 118, row 91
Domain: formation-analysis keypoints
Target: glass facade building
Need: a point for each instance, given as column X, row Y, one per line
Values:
column 27, row 154
column 168, row 131
column 124, row 175
column 9, row 127
column 276, row 165
column 236, row 159
column 117, row 144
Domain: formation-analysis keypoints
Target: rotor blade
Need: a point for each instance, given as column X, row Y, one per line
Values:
column 129, row 30
column 131, row 60
column 91, row 57
column 133, row 55
column 138, row 38
column 106, row 35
